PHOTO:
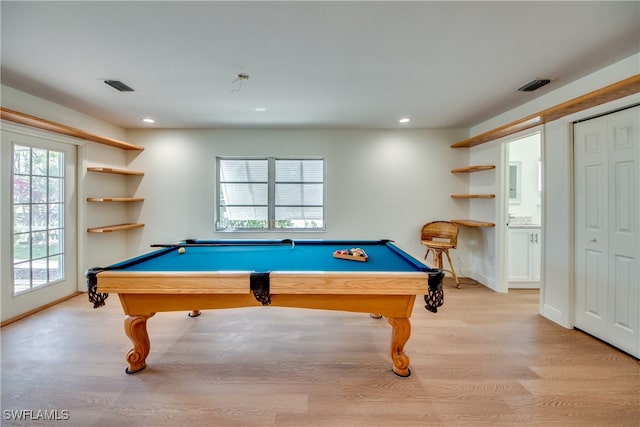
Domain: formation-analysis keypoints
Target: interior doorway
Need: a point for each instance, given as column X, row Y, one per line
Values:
column 523, row 197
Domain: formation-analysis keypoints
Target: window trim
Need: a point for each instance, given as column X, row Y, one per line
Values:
column 271, row 205
column 62, row 253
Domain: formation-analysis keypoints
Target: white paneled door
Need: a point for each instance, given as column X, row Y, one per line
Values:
column 607, row 221
column 38, row 250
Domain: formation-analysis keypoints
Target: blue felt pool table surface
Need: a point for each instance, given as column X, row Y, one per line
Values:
column 267, row 256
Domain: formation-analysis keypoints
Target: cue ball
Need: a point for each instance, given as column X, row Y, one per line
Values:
column 181, row 250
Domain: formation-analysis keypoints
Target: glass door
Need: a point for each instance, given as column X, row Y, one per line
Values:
column 39, row 239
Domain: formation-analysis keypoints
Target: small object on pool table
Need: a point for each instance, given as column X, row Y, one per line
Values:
column 181, row 250
column 353, row 254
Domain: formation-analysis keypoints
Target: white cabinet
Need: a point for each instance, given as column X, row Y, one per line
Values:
column 524, row 257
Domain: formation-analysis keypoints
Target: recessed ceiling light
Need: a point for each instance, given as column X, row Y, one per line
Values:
column 260, row 109
column 148, row 120
column 404, row 120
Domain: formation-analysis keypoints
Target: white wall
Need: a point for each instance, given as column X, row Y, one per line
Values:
column 556, row 283
column 93, row 249
column 29, row 104
column 380, row 183
column 556, row 279
column 485, row 257
column 565, row 91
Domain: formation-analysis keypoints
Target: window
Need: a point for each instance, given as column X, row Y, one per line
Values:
column 270, row 194
column 38, row 223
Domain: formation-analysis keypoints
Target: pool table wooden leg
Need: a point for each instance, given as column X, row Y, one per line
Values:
column 136, row 329
column 401, row 330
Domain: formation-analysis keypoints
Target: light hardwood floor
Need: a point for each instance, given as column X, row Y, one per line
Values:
column 483, row 359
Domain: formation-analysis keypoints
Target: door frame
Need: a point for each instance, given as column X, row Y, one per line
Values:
column 505, row 199
column 79, row 241
column 502, row 208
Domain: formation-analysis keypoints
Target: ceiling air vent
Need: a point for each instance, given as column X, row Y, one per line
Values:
column 118, row 85
column 533, row 85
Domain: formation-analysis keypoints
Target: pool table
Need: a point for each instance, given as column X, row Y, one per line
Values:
column 217, row 274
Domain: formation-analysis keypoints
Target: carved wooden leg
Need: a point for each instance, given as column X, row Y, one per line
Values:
column 453, row 270
column 439, row 259
column 136, row 329
column 401, row 330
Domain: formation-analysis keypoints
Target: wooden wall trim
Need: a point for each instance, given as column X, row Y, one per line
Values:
column 37, row 122
column 606, row 94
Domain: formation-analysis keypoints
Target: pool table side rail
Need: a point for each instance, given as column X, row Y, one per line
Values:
column 418, row 263
column 360, row 283
column 281, row 282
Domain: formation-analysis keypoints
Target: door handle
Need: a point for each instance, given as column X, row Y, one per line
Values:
column 593, row 240
column 536, row 237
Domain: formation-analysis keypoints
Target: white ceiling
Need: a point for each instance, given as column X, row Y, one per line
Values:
column 310, row 64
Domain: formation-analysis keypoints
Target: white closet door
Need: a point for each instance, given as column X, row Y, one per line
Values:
column 624, row 187
column 607, row 221
column 591, row 223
